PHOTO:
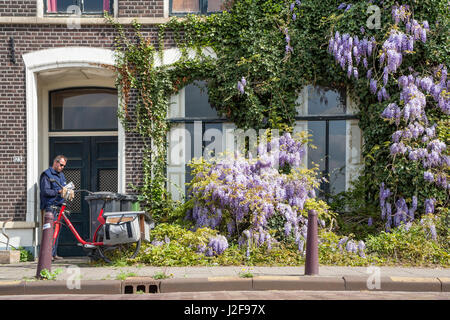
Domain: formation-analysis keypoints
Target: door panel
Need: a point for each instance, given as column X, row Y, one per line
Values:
column 91, row 165
column 76, row 149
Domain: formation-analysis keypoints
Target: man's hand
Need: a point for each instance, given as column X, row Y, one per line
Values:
column 64, row 192
column 70, row 195
column 67, row 194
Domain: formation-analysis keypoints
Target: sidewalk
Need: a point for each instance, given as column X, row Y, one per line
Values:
column 19, row 279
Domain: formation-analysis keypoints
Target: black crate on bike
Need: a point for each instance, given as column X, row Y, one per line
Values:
column 96, row 200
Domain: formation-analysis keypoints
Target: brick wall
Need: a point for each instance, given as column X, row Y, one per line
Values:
column 17, row 8
column 143, row 8
column 29, row 38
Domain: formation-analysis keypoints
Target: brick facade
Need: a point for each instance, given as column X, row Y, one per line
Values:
column 143, row 8
column 32, row 37
column 18, row 8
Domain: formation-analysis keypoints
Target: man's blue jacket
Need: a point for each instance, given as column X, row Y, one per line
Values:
column 49, row 194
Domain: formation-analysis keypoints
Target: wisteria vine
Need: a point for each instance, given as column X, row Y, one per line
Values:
column 415, row 137
column 243, row 194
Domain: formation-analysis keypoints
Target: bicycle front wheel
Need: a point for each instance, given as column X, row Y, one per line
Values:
column 111, row 253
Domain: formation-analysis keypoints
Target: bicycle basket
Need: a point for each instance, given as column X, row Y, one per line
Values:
column 121, row 228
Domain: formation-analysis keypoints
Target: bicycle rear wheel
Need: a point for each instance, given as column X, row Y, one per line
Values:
column 111, row 253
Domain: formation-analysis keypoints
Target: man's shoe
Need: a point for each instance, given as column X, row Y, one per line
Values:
column 57, row 258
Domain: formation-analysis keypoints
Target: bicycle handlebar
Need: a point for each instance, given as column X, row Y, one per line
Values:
column 80, row 190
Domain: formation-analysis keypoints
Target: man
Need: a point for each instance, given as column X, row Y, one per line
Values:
column 51, row 194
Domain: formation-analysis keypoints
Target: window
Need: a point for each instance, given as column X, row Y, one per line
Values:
column 335, row 134
column 196, row 131
column 83, row 109
column 85, row 7
column 182, row 7
column 324, row 112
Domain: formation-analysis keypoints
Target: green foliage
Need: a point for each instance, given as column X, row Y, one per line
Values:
column 124, row 275
column 246, row 274
column 331, row 254
column 179, row 246
column 25, row 255
column 355, row 210
column 412, row 247
column 161, row 275
column 50, row 275
column 249, row 41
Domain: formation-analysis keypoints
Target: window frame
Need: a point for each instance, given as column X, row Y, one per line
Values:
column 192, row 120
column 327, row 118
column 83, row 13
column 50, row 130
column 203, row 6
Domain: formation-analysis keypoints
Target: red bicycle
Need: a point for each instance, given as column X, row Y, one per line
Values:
column 118, row 235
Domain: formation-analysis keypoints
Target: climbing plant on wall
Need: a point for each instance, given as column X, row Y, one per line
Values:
column 266, row 51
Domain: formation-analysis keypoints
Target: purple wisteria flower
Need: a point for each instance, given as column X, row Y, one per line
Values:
column 351, row 246
column 252, row 191
column 433, row 232
column 428, row 176
column 240, row 87
column 401, row 213
column 341, row 243
column 409, row 114
column 401, row 13
column 361, row 248
column 217, row 245
column 413, row 208
column 392, row 111
column 429, row 205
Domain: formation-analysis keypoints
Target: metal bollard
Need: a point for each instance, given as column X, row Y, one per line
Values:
column 312, row 250
column 45, row 252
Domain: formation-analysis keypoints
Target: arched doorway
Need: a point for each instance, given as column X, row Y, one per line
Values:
column 67, row 72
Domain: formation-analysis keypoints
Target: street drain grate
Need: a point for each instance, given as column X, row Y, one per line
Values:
column 140, row 285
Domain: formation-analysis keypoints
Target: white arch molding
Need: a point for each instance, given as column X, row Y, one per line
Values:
column 51, row 59
column 70, row 57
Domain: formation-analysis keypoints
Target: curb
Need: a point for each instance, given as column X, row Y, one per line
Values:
column 445, row 284
column 134, row 285
column 298, row 283
column 206, row 284
column 415, row 284
column 59, row 287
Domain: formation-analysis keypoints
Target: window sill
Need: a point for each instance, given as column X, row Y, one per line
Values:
column 83, row 20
